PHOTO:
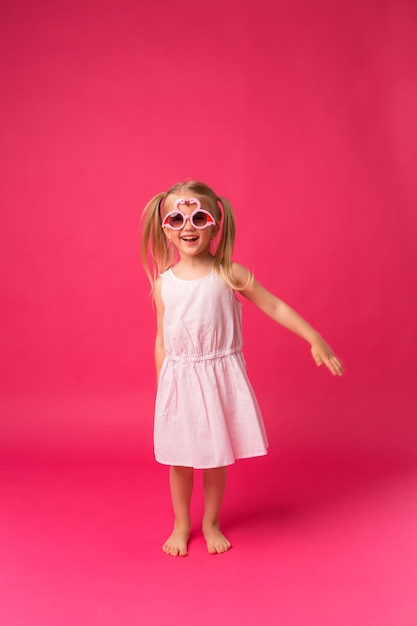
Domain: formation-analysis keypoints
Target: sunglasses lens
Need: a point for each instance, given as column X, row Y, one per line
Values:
column 199, row 219
column 175, row 220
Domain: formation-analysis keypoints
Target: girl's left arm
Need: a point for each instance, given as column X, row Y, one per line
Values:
column 288, row 318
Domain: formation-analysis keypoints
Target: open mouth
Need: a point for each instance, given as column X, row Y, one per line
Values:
column 189, row 239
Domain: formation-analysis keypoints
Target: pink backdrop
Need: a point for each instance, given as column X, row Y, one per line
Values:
column 302, row 114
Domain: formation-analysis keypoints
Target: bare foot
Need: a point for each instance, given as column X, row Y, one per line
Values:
column 177, row 542
column 216, row 541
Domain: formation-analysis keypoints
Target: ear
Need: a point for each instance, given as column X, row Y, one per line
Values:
column 214, row 231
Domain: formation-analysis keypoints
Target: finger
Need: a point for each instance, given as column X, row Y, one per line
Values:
column 329, row 363
column 334, row 365
column 337, row 365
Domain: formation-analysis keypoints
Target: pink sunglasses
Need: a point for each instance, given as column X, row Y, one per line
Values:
column 199, row 218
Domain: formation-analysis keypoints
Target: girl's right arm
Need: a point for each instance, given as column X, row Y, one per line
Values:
column 159, row 342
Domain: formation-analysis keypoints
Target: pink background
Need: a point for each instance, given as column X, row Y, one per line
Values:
column 303, row 114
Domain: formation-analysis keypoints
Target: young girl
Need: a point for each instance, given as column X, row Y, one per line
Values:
column 206, row 413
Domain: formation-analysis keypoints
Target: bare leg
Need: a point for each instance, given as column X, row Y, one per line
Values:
column 181, row 484
column 214, row 487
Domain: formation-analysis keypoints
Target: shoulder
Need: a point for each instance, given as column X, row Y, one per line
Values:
column 163, row 275
column 242, row 275
column 163, row 278
column 239, row 270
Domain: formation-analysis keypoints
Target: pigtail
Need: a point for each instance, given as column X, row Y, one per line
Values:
column 155, row 252
column 223, row 256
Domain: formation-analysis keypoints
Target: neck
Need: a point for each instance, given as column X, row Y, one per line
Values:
column 194, row 267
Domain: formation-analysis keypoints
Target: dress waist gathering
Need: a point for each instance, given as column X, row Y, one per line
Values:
column 196, row 358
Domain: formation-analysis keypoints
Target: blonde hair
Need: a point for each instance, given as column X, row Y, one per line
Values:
column 157, row 255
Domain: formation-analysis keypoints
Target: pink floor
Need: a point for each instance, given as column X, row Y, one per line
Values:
column 316, row 541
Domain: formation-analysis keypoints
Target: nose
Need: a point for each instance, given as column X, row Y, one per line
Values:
column 188, row 223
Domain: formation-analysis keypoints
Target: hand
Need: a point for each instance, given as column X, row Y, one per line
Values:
column 322, row 353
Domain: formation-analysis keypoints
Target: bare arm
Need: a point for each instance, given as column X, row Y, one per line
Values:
column 288, row 318
column 159, row 341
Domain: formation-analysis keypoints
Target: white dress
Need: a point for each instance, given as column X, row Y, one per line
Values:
column 206, row 412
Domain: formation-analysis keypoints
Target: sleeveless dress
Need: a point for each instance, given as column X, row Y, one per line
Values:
column 206, row 412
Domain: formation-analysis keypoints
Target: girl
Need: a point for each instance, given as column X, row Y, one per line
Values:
column 206, row 413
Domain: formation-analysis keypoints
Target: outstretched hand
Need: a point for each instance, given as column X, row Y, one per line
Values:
column 322, row 353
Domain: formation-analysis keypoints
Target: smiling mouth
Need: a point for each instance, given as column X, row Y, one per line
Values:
column 191, row 239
